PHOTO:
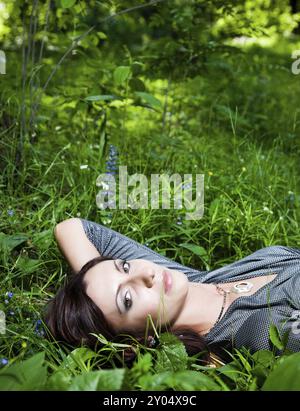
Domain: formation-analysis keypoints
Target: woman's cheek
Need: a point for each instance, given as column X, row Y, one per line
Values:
column 149, row 305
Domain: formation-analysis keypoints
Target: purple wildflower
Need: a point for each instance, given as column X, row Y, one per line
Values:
column 4, row 361
column 38, row 329
column 10, row 212
column 111, row 163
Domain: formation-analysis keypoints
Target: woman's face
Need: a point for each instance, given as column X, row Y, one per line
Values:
column 127, row 291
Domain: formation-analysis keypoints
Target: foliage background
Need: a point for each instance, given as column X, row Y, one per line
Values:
column 185, row 86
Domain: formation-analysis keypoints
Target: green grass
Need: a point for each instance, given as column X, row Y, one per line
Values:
column 243, row 135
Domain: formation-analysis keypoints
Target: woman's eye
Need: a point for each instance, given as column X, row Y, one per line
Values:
column 127, row 301
column 123, row 265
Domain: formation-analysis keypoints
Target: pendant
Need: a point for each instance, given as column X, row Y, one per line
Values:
column 242, row 287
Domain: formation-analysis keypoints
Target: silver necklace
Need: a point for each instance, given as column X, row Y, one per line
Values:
column 241, row 287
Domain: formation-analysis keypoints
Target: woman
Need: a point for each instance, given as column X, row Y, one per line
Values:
column 118, row 282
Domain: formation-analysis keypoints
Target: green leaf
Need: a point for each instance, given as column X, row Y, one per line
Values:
column 264, row 358
column 171, row 354
column 151, row 100
column 121, row 74
column 102, row 97
column 30, row 374
column 285, row 377
column 143, row 365
column 103, row 380
column 275, row 337
column 213, row 208
column 231, row 370
column 285, row 338
column 192, row 381
column 43, row 239
column 59, row 381
column 137, row 67
column 156, row 382
column 66, row 4
column 9, row 242
column 183, row 380
column 136, row 84
column 196, row 249
column 27, row 265
column 101, row 35
column 77, row 358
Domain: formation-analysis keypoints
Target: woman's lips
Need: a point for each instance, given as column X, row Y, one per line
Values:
column 167, row 279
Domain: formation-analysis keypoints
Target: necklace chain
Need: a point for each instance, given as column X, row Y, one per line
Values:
column 240, row 287
column 224, row 301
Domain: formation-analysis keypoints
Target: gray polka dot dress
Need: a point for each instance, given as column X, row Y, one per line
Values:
column 247, row 320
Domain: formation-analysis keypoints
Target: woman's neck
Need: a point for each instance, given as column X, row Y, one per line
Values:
column 201, row 309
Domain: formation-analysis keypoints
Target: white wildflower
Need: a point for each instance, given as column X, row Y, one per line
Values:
column 268, row 210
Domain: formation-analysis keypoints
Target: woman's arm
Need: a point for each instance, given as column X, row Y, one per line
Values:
column 74, row 244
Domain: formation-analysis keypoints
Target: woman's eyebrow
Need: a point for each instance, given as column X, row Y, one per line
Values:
column 118, row 289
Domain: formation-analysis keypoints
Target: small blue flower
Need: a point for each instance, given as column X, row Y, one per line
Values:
column 39, row 330
column 10, row 212
column 9, row 294
column 4, row 361
column 112, row 156
column 6, row 301
column 112, row 167
column 112, row 148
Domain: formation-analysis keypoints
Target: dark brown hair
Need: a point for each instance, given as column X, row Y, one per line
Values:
column 71, row 316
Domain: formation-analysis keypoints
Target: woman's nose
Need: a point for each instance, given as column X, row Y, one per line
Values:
column 146, row 275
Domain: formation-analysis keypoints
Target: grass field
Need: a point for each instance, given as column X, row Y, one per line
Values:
column 238, row 125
